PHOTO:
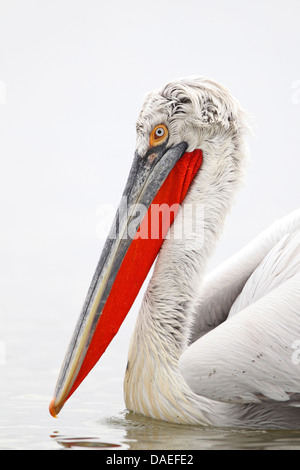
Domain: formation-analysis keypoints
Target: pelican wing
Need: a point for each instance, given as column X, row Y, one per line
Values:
column 280, row 264
column 254, row 356
column 223, row 286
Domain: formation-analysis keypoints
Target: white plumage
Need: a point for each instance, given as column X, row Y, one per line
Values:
column 216, row 350
column 249, row 357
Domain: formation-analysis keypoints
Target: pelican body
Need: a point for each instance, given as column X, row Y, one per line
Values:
column 217, row 349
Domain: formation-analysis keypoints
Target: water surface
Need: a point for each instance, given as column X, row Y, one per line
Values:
column 95, row 416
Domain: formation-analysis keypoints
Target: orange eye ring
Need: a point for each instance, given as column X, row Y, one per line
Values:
column 159, row 135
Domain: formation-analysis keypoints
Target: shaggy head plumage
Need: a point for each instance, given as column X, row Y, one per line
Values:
column 194, row 109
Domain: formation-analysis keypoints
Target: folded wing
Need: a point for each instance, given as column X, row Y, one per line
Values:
column 248, row 349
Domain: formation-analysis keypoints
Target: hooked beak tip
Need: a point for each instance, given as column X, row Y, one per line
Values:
column 52, row 408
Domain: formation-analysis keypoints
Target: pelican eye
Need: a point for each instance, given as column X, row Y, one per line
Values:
column 159, row 135
column 160, row 132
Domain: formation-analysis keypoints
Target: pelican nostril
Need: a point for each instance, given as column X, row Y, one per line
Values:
column 152, row 157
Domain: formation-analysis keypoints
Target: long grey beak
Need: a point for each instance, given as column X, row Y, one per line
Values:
column 115, row 283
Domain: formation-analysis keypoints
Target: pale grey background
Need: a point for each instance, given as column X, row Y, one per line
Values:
column 74, row 74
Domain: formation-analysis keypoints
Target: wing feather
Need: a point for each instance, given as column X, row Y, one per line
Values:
column 280, row 264
column 250, row 357
column 222, row 287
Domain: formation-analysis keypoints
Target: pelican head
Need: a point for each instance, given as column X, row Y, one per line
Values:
column 189, row 138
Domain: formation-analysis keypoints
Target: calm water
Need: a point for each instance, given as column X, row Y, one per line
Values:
column 94, row 417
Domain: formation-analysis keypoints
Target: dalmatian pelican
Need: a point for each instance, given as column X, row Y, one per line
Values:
column 216, row 349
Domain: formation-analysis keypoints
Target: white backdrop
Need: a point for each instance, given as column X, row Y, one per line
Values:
column 73, row 75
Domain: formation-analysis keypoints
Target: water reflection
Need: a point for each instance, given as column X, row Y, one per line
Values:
column 141, row 433
column 85, row 443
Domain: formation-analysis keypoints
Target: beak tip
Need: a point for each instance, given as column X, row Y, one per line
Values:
column 52, row 408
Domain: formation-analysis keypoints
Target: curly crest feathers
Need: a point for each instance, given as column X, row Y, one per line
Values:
column 195, row 109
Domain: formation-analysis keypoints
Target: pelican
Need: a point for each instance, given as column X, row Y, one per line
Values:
column 213, row 349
